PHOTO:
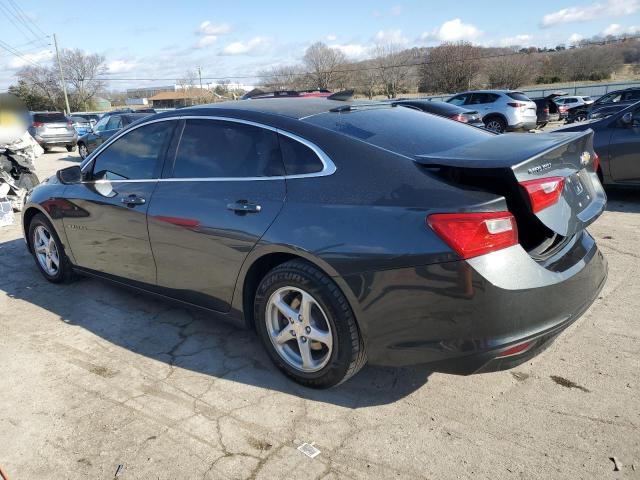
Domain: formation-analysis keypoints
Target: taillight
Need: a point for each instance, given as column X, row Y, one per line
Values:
column 516, row 349
column 543, row 192
column 69, row 124
column 546, row 110
column 38, row 124
column 596, row 161
column 516, row 104
column 562, row 109
column 459, row 118
column 477, row 233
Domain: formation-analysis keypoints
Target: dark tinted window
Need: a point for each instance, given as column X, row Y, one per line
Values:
column 54, row 117
column 218, row 149
column 298, row 158
column 115, row 122
column 78, row 120
column 402, row 130
column 519, row 96
column 135, row 154
column 632, row 96
column 480, row 98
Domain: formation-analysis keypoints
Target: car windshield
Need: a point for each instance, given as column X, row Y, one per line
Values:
column 518, row 96
column 403, row 130
column 53, row 117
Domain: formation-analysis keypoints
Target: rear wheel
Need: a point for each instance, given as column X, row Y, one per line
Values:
column 307, row 326
column 581, row 117
column 48, row 251
column 83, row 150
column 495, row 124
column 71, row 148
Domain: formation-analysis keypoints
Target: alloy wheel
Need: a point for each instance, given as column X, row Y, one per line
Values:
column 46, row 250
column 82, row 149
column 495, row 126
column 299, row 329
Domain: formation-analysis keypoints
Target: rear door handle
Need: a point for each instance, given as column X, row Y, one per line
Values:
column 132, row 200
column 242, row 206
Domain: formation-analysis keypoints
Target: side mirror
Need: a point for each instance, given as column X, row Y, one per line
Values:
column 70, row 175
column 627, row 119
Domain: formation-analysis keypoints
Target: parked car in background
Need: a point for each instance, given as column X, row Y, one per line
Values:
column 92, row 118
column 547, row 109
column 53, row 129
column 616, row 140
column 443, row 109
column 258, row 93
column 81, row 124
column 501, row 110
column 604, row 106
column 107, row 126
column 343, row 232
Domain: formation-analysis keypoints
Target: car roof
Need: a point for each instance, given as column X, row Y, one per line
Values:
column 296, row 108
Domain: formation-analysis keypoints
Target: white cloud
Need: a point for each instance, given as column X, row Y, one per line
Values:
column 610, row 8
column 255, row 46
column 208, row 28
column 29, row 59
column 454, row 31
column 206, row 41
column 616, row 29
column 522, row 40
column 396, row 10
column 331, row 38
column 120, row 66
column 391, row 36
column 352, row 50
column 575, row 38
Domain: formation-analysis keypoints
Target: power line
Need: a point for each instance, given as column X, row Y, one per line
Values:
column 358, row 69
column 12, row 51
column 20, row 23
column 25, row 18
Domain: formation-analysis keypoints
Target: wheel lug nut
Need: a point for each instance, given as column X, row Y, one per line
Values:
column 304, row 339
column 300, row 318
column 293, row 333
column 308, row 329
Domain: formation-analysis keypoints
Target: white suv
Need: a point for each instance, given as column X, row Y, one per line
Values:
column 501, row 110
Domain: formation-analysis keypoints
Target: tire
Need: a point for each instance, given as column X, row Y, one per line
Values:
column 83, row 151
column 63, row 273
column 581, row 117
column 46, row 149
column 330, row 314
column 71, row 148
column 27, row 180
column 495, row 124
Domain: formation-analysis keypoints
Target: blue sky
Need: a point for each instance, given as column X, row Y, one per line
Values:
column 152, row 39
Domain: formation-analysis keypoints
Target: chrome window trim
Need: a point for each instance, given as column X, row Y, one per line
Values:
column 328, row 167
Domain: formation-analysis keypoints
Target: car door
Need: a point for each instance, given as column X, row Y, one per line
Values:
column 107, row 232
column 224, row 189
column 624, row 150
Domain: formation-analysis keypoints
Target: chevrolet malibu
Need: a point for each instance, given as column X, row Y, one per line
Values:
column 342, row 232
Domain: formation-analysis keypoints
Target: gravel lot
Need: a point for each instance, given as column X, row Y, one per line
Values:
column 94, row 377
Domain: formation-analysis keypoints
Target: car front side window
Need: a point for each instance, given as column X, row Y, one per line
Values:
column 136, row 155
column 458, row 100
column 100, row 126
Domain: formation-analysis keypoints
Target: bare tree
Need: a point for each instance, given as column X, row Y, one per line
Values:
column 43, row 82
column 286, row 77
column 450, row 67
column 82, row 71
column 323, row 65
column 393, row 68
column 365, row 79
column 186, row 85
column 509, row 71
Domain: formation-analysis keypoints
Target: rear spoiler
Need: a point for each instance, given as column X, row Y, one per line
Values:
column 500, row 151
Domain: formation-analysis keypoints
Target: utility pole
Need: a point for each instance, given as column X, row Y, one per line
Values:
column 64, row 84
column 200, row 75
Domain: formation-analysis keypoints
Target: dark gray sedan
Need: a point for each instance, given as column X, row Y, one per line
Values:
column 342, row 232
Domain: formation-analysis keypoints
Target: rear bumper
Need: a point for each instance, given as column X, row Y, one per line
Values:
column 524, row 125
column 458, row 318
column 56, row 140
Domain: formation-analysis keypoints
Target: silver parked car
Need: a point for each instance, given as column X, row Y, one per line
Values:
column 501, row 110
column 51, row 129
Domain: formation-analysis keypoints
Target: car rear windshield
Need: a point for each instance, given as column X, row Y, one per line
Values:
column 54, row 117
column 518, row 96
column 402, row 130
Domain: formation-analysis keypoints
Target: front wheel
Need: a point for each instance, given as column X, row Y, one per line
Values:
column 48, row 251
column 307, row 326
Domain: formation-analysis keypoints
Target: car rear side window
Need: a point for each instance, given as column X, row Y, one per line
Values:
column 114, row 123
column 298, row 158
column 519, row 96
column 220, row 149
column 135, row 155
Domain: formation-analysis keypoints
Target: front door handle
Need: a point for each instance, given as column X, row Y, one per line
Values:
column 132, row 200
column 242, row 206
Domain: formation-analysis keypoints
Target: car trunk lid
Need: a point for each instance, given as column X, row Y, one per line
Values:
column 504, row 163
